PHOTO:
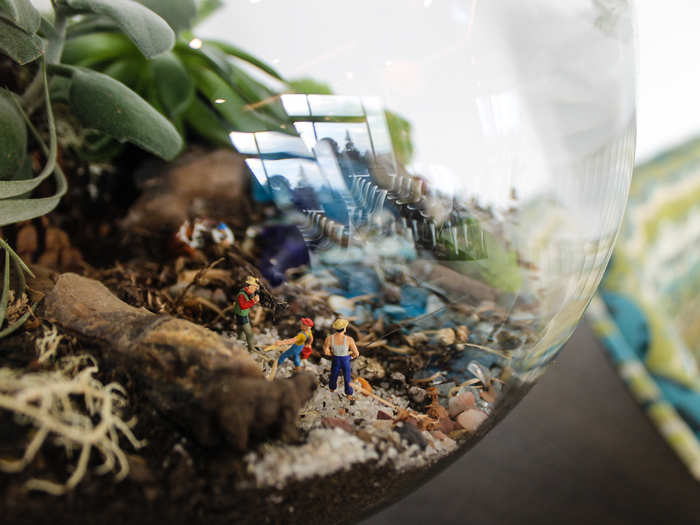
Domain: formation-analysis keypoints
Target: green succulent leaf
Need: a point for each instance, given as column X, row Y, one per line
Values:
column 20, row 46
column 22, row 209
column 179, row 14
column 100, row 148
column 94, row 48
column 20, row 270
column 206, row 123
column 107, row 105
column 47, row 29
column 130, row 71
column 247, row 57
column 22, row 13
column 5, row 288
column 13, row 139
column 265, row 100
column 151, row 34
column 91, row 24
column 400, row 130
column 228, row 103
column 173, row 85
column 18, row 210
column 209, row 66
column 206, row 9
column 310, row 86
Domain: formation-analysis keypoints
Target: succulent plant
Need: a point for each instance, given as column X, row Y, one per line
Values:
column 36, row 43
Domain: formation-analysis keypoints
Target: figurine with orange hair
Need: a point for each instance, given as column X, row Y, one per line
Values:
column 300, row 349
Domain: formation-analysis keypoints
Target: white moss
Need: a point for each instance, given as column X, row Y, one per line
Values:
column 69, row 406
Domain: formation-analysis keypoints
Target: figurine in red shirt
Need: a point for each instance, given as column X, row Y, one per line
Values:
column 245, row 300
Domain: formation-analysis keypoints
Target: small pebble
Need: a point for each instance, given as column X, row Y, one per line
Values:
column 471, row 419
column 411, row 434
column 364, row 436
column 417, row 394
column 383, row 415
column 219, row 297
column 447, row 425
column 371, row 368
column 437, row 434
column 398, row 376
column 460, row 403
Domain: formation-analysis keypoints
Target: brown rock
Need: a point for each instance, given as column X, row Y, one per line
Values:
column 200, row 185
column 383, row 415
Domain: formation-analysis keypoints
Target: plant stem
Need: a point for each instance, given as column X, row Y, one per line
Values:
column 32, row 96
column 56, row 41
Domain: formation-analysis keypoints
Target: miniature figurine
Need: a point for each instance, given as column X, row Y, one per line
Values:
column 300, row 349
column 247, row 298
column 341, row 348
column 203, row 232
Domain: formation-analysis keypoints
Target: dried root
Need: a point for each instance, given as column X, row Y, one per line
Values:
column 48, row 343
column 74, row 409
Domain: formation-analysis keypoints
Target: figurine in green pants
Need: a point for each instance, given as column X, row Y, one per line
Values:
column 245, row 300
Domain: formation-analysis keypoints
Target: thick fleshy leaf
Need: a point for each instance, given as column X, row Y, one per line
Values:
column 179, row 14
column 247, row 57
column 18, row 210
column 100, row 148
column 5, row 287
column 13, row 139
column 107, row 105
column 22, row 13
column 228, row 103
column 20, row 46
column 151, row 34
column 130, row 71
column 91, row 24
column 204, row 120
column 173, row 84
column 206, row 8
column 267, row 105
column 94, row 48
column 47, row 29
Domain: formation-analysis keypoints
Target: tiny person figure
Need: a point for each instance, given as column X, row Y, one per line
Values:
column 247, row 298
column 341, row 348
column 300, row 341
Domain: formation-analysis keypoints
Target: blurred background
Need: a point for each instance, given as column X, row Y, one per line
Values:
column 579, row 448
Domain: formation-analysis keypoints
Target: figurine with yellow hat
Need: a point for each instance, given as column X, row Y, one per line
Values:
column 341, row 348
column 246, row 298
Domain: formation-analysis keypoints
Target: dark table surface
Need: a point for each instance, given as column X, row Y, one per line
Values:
column 578, row 449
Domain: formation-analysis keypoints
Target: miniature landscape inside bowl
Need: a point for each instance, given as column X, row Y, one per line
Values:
column 342, row 282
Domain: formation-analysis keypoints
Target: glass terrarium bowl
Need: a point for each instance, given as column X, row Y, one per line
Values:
column 450, row 177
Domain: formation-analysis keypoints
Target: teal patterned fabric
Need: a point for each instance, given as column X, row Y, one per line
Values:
column 647, row 311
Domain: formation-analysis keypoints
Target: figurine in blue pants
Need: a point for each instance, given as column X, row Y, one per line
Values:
column 299, row 342
column 342, row 349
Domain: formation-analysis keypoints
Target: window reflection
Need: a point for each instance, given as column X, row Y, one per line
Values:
column 338, row 171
